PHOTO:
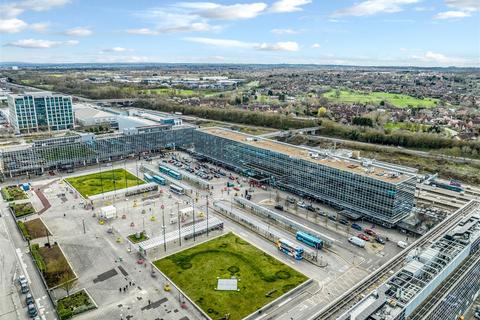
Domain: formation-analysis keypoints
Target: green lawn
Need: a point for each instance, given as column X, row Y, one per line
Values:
column 96, row 183
column 398, row 100
column 262, row 277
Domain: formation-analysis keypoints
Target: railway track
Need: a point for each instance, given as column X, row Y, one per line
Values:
column 354, row 295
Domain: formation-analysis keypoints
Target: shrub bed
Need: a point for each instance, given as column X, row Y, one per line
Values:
column 74, row 304
column 22, row 209
column 12, row 193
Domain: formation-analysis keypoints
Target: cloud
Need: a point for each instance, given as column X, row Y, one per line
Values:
column 284, row 31
column 229, row 43
column 142, row 31
column 78, row 32
column 372, row 7
column 39, row 26
column 468, row 5
column 439, row 59
column 14, row 9
column 452, row 15
column 39, row 44
column 116, row 49
column 316, row 45
column 13, row 25
column 288, row 5
column 462, row 9
column 238, row 11
column 279, row 46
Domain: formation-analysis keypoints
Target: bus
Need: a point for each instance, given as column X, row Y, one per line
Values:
column 147, row 177
column 290, row 249
column 176, row 189
column 175, row 174
column 164, row 169
column 159, row 180
column 309, row 240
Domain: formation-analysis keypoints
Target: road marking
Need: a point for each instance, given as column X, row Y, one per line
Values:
column 284, row 302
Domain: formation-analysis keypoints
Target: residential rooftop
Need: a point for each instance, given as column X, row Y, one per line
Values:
column 364, row 167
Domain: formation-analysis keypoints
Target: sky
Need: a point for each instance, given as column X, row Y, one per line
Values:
column 348, row 32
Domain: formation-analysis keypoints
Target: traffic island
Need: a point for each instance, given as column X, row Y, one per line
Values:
column 74, row 304
column 260, row 277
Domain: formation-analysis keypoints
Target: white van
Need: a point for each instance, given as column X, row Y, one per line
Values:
column 402, row 244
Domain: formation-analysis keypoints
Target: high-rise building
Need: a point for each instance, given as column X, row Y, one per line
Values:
column 40, row 111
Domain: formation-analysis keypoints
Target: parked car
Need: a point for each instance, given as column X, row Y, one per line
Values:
column 356, row 227
column 321, row 213
column 309, row 207
column 32, row 310
column 370, row 232
column 22, row 280
column 291, row 200
column 363, row 237
column 24, row 288
column 248, row 197
column 380, row 240
column 357, row 241
column 279, row 207
column 343, row 221
column 332, row 217
column 301, row 204
column 29, row 299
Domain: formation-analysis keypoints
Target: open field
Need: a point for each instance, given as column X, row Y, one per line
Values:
column 53, row 265
column 12, row 193
column 262, row 278
column 33, row 229
column 22, row 209
column 376, row 98
column 96, row 183
column 74, row 304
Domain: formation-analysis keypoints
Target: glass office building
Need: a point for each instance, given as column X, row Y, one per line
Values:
column 87, row 149
column 384, row 194
column 40, row 111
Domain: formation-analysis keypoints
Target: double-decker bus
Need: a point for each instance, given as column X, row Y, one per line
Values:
column 147, row 177
column 159, row 180
column 290, row 249
column 310, row 240
column 176, row 189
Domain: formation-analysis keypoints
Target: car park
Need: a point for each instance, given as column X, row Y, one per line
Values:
column 356, row 227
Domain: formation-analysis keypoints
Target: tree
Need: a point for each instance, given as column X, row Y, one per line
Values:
column 321, row 112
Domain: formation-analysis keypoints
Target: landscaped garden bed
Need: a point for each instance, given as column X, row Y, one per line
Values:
column 53, row 265
column 13, row 193
column 22, row 209
column 33, row 229
column 74, row 304
column 261, row 278
column 134, row 239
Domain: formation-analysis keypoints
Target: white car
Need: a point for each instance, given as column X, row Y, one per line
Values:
column 22, row 280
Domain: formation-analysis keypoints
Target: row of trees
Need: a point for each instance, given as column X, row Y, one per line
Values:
column 255, row 118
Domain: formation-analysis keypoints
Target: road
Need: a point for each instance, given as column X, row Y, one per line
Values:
column 14, row 260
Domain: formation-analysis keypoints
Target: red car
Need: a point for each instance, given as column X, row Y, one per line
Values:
column 370, row 232
column 363, row 237
column 236, row 188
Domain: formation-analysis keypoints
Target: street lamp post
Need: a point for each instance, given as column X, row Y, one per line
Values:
column 178, row 217
column 163, row 228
